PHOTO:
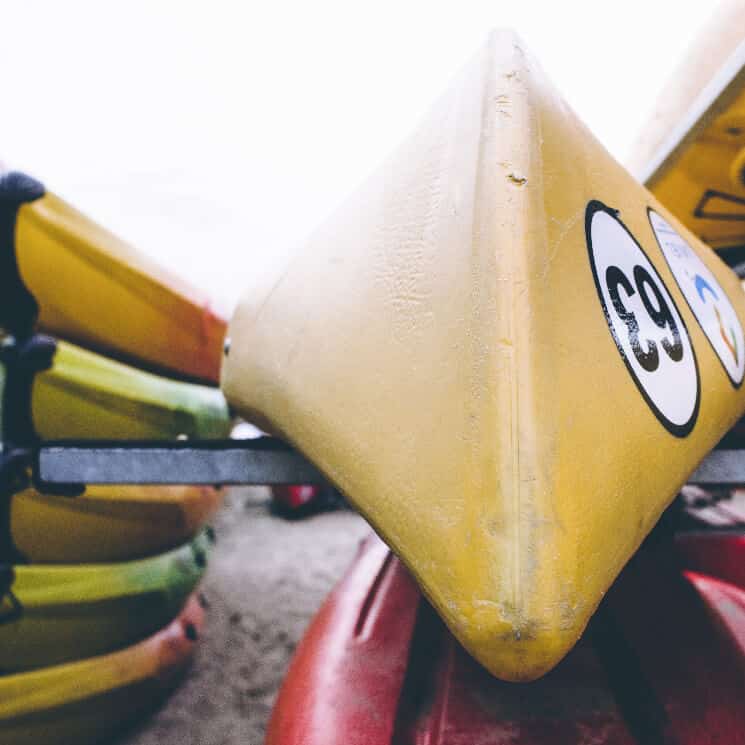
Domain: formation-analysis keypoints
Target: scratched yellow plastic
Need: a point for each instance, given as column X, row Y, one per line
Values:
column 98, row 291
column 439, row 349
column 703, row 182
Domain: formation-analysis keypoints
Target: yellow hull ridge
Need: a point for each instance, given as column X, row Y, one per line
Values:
column 511, row 368
column 691, row 153
column 56, row 614
column 85, row 395
column 89, row 287
column 107, row 523
column 91, row 701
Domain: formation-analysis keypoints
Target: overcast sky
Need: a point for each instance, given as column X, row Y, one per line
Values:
column 214, row 135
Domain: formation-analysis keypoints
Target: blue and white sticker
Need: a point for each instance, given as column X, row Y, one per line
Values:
column 643, row 320
column 705, row 297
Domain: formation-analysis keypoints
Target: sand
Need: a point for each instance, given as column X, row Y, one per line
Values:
column 266, row 579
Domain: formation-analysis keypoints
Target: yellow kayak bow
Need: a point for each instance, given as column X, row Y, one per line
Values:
column 515, row 359
column 85, row 285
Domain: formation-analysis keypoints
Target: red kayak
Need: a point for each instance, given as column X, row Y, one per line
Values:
column 662, row 662
column 302, row 500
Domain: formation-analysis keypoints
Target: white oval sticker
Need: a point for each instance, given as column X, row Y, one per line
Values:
column 644, row 321
column 705, row 297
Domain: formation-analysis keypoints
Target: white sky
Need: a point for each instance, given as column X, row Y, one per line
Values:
column 215, row 134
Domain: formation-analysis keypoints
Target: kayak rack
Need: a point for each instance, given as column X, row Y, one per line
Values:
column 66, row 466
column 259, row 461
column 264, row 460
column 725, row 467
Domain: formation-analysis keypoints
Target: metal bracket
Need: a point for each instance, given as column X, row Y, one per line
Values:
column 261, row 461
column 724, row 467
column 264, row 460
column 18, row 308
column 7, row 597
column 19, row 363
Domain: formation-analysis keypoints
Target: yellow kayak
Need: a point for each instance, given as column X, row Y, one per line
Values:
column 87, row 286
column 106, row 523
column 85, row 395
column 691, row 151
column 87, row 702
column 518, row 358
column 55, row 614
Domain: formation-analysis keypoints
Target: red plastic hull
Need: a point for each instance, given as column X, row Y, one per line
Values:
column 662, row 662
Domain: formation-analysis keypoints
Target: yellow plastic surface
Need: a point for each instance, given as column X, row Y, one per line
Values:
column 440, row 350
column 85, row 395
column 95, row 290
column 691, row 152
column 93, row 700
column 75, row 611
column 109, row 523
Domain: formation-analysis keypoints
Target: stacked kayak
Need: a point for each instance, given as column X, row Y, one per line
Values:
column 108, row 523
column 60, row 613
column 84, row 395
column 691, row 152
column 662, row 661
column 81, row 283
column 99, row 614
column 92, row 700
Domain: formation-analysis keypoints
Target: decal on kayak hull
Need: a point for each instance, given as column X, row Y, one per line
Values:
column 705, row 297
column 644, row 321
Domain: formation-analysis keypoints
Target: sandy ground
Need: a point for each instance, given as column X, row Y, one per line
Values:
column 266, row 579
